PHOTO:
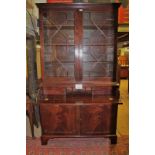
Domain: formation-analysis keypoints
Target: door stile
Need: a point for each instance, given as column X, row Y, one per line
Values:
column 78, row 33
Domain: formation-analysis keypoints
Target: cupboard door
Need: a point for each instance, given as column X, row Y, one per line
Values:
column 95, row 119
column 58, row 40
column 58, row 119
column 98, row 44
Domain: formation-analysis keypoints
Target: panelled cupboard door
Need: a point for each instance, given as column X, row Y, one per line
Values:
column 58, row 119
column 95, row 119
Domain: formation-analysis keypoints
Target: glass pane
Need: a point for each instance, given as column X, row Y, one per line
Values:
column 98, row 42
column 99, row 69
column 59, row 49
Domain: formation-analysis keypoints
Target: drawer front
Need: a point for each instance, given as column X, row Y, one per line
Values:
column 58, row 119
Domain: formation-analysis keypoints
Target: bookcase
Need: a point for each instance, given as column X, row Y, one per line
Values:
column 79, row 92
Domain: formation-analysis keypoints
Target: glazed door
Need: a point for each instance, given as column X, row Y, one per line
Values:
column 98, row 44
column 61, row 37
column 57, row 38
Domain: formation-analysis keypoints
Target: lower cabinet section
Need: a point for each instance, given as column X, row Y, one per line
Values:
column 78, row 120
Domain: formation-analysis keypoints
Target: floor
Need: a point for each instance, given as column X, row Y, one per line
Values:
column 77, row 146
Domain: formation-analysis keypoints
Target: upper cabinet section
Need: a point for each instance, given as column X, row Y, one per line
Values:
column 78, row 41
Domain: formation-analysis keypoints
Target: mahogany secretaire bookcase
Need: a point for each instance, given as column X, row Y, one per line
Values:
column 79, row 93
